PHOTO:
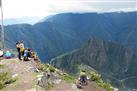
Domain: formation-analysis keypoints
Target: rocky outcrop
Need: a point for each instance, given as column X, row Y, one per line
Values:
column 47, row 80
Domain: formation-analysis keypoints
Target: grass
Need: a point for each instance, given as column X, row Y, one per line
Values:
column 68, row 78
column 50, row 85
column 1, row 66
column 43, row 67
column 49, row 68
column 97, row 78
column 5, row 79
column 34, row 75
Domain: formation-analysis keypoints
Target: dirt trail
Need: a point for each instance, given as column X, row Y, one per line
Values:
column 24, row 72
column 92, row 86
column 63, row 86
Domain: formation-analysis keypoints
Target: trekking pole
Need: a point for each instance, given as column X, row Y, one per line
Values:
column 2, row 26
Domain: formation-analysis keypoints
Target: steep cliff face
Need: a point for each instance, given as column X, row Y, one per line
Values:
column 111, row 60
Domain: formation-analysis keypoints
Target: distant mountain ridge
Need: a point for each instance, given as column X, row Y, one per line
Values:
column 116, row 63
column 65, row 32
column 22, row 20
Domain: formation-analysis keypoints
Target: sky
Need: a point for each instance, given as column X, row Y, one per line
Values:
column 43, row 8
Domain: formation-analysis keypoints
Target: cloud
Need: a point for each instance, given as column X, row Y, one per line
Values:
column 95, row 6
column 41, row 8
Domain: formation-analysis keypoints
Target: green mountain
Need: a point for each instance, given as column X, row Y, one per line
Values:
column 65, row 32
column 114, row 62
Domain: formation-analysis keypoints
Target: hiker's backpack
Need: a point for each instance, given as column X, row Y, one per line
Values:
column 8, row 55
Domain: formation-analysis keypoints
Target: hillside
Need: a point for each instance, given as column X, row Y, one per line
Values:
column 68, row 31
column 29, row 79
column 115, row 63
column 71, row 87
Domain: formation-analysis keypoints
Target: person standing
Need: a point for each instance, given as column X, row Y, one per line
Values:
column 18, row 49
column 22, row 48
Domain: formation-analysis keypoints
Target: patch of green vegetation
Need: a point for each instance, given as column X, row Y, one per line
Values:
column 50, row 69
column 43, row 67
column 68, row 78
column 97, row 78
column 58, row 73
column 5, row 79
column 40, row 66
column 50, row 85
column 46, row 67
column 34, row 75
column 106, row 86
column 1, row 66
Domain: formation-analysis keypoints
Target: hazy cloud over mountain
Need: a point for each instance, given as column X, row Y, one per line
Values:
column 31, row 8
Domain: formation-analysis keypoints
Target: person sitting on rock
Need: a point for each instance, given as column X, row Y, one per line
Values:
column 27, row 54
column 83, row 77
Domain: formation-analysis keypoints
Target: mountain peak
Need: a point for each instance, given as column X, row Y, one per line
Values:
column 109, row 59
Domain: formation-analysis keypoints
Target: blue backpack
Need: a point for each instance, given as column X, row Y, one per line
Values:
column 8, row 54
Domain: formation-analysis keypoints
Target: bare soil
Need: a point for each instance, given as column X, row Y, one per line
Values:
column 26, row 78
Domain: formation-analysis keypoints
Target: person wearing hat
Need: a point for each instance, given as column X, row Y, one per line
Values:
column 83, row 77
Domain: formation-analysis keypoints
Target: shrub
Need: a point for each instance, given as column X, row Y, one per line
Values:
column 5, row 79
column 97, row 78
column 1, row 66
column 52, row 69
column 68, row 78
